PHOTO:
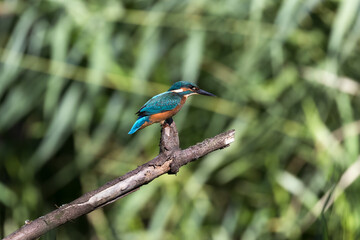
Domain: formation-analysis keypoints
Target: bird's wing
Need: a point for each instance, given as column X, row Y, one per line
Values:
column 160, row 103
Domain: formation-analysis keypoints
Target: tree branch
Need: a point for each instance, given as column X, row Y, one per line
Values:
column 169, row 160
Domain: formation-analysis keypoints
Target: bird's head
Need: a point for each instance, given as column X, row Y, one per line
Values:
column 186, row 89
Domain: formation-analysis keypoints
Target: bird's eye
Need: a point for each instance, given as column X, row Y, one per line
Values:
column 193, row 88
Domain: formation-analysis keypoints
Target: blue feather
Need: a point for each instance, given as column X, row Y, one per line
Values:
column 160, row 103
column 139, row 122
column 181, row 84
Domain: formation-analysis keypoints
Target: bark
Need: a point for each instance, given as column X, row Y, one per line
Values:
column 169, row 160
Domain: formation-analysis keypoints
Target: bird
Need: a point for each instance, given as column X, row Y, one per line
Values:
column 165, row 105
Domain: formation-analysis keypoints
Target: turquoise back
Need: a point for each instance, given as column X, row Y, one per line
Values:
column 160, row 103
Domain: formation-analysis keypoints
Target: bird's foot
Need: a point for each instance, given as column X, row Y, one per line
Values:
column 169, row 121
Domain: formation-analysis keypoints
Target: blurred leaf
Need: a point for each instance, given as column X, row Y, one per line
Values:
column 73, row 74
column 15, row 45
column 20, row 101
column 59, row 128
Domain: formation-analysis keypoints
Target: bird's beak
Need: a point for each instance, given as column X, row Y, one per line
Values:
column 203, row 92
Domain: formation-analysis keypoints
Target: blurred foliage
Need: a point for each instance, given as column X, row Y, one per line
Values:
column 73, row 73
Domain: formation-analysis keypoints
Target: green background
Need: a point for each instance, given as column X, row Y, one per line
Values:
column 73, row 73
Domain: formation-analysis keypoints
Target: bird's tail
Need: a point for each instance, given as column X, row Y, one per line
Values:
column 139, row 122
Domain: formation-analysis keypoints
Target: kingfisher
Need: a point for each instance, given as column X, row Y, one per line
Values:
column 165, row 105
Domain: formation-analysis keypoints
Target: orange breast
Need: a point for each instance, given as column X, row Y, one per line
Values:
column 158, row 117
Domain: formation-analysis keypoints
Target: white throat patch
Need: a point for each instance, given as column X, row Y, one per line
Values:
column 189, row 94
column 178, row 90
